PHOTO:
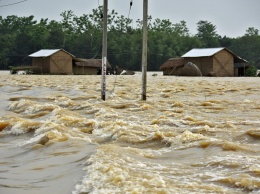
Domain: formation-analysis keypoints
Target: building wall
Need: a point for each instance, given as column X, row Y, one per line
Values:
column 223, row 64
column 171, row 71
column 205, row 64
column 79, row 70
column 236, row 72
column 61, row 63
column 41, row 65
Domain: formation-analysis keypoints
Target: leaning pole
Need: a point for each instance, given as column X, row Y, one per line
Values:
column 144, row 52
column 104, row 51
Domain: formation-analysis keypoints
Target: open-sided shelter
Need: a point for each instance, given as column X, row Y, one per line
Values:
column 172, row 66
column 88, row 66
column 52, row 61
column 216, row 61
column 177, row 66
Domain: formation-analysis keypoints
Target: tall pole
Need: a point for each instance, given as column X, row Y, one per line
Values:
column 104, row 51
column 144, row 53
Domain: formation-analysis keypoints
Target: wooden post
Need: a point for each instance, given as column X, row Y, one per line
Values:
column 104, row 51
column 144, row 52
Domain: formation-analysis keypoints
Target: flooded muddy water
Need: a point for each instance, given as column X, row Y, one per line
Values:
column 192, row 135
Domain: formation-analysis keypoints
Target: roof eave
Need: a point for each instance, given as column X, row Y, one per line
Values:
column 54, row 51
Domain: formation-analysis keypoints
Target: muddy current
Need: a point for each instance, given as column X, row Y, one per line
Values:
column 191, row 135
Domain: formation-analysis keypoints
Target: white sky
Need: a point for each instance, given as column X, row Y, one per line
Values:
column 231, row 17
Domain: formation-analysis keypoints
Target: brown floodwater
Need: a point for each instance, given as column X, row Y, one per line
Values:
column 192, row 135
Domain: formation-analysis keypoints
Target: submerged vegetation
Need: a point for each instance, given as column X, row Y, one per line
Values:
column 82, row 36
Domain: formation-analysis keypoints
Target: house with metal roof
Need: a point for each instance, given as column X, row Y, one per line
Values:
column 216, row 61
column 211, row 62
column 59, row 61
column 52, row 61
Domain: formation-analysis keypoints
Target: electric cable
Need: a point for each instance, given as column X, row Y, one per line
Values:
column 13, row 3
column 113, row 90
column 97, row 52
column 131, row 4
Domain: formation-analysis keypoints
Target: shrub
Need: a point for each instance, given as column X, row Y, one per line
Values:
column 13, row 70
column 251, row 71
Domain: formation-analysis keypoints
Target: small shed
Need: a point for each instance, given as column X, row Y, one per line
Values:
column 52, row 61
column 88, row 66
column 172, row 66
column 216, row 61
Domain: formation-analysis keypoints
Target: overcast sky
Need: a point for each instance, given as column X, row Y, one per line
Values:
column 231, row 17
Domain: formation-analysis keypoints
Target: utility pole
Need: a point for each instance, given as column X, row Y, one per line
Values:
column 104, row 51
column 144, row 52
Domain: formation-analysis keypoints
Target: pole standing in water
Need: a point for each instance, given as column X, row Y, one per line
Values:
column 144, row 52
column 104, row 51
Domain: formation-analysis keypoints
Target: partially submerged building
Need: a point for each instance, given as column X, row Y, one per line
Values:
column 52, row 61
column 211, row 62
column 59, row 61
column 172, row 66
column 89, row 66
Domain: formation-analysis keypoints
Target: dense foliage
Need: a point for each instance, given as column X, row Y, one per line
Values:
column 82, row 36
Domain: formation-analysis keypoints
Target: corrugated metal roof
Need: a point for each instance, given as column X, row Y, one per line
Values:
column 47, row 53
column 208, row 52
column 44, row 53
column 202, row 52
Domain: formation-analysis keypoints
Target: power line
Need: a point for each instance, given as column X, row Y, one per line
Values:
column 131, row 4
column 13, row 3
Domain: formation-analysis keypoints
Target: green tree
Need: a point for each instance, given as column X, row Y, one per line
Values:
column 226, row 41
column 55, row 37
column 67, row 25
column 7, row 37
column 207, row 34
column 28, row 38
column 248, row 46
column 162, row 26
column 181, row 28
column 251, row 31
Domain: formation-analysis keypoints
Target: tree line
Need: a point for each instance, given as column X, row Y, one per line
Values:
column 82, row 37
